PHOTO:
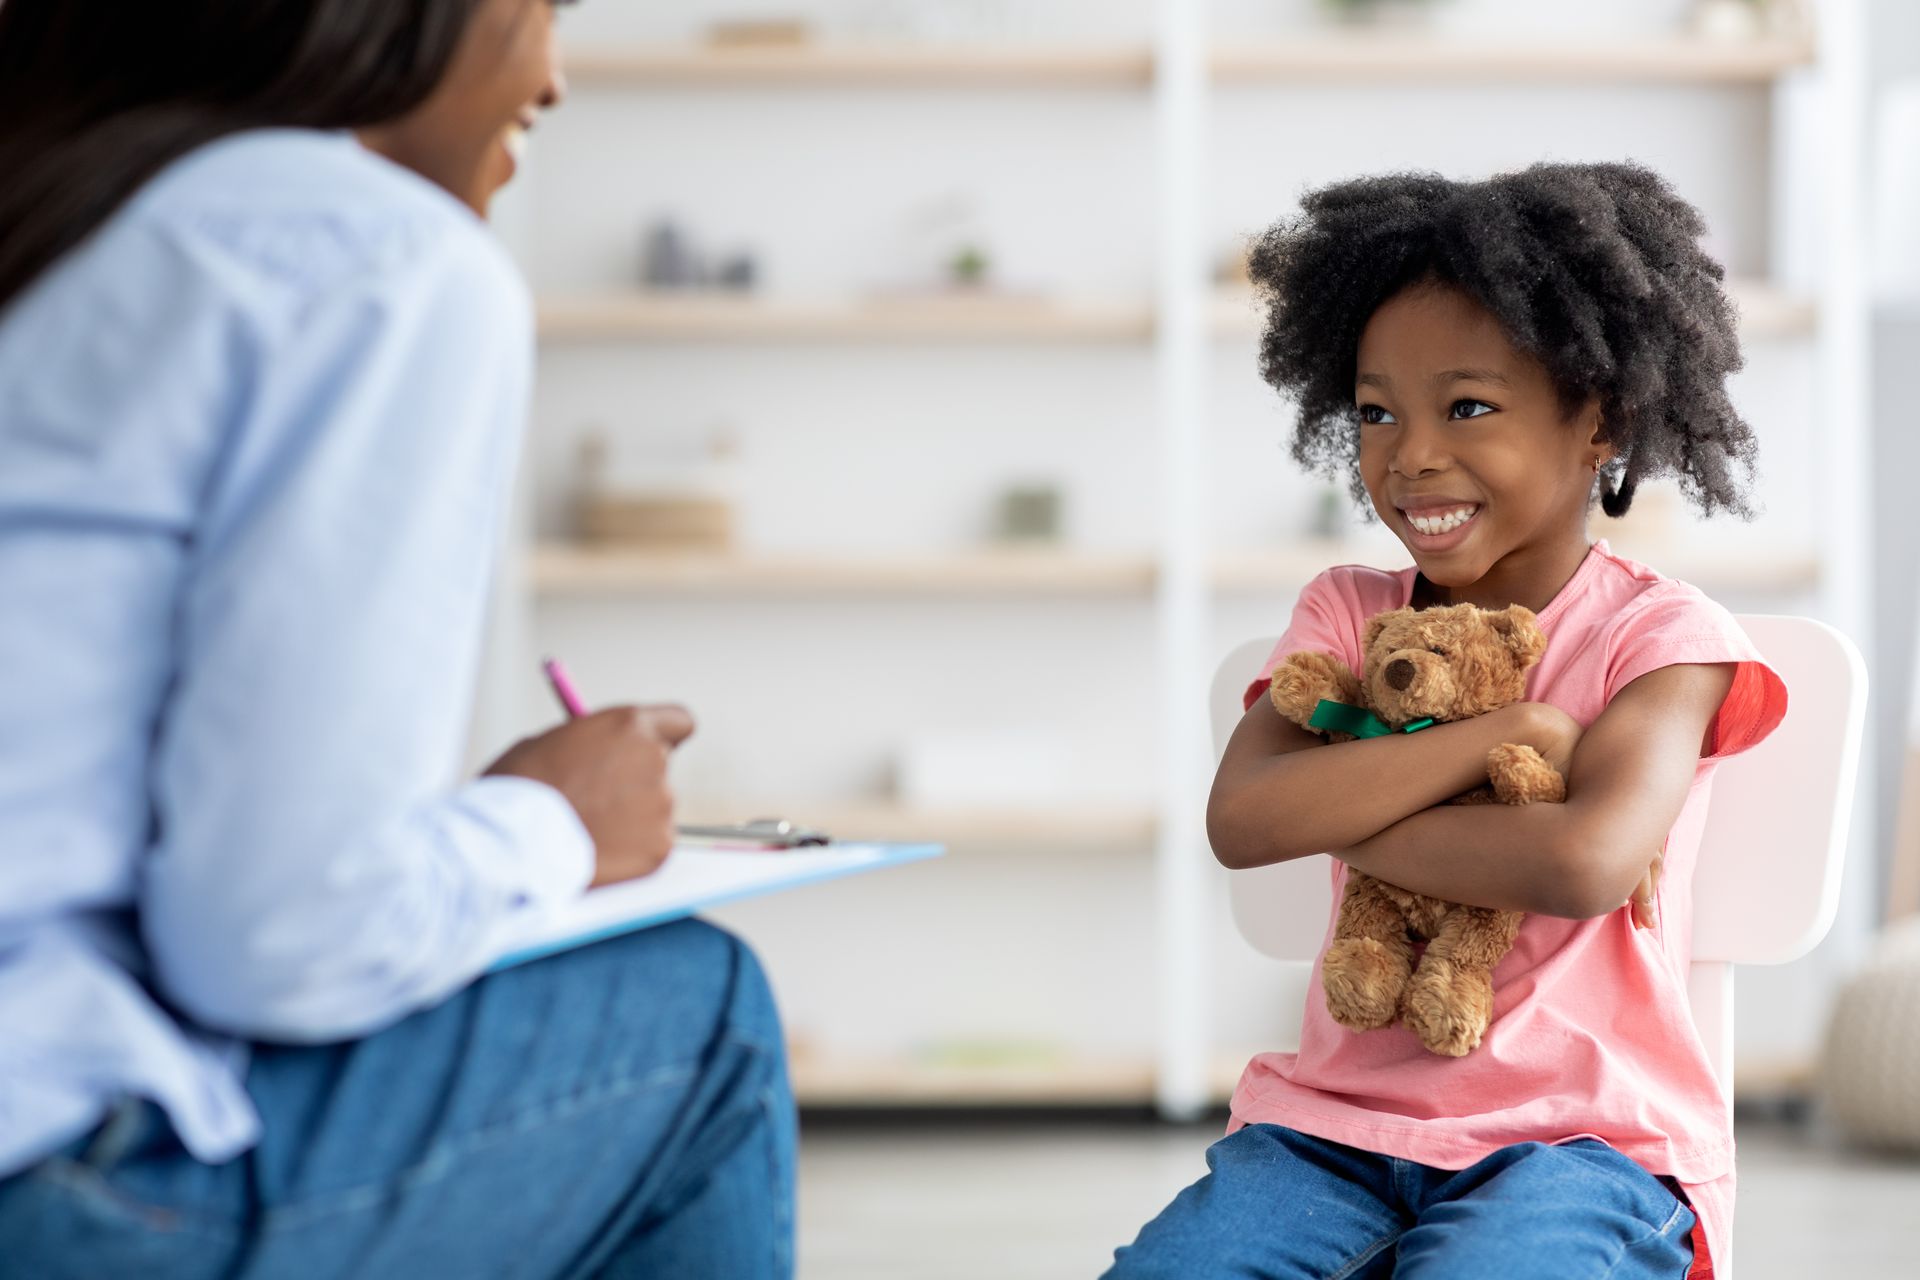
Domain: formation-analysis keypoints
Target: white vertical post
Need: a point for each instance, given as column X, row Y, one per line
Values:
column 1843, row 380
column 1181, row 602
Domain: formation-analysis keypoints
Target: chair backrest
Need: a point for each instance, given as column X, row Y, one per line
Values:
column 1767, row 884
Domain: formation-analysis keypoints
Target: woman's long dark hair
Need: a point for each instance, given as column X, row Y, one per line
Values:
column 97, row 96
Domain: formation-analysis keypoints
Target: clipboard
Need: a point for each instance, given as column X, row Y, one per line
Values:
column 693, row 878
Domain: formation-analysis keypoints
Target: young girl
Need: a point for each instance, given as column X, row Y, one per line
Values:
column 1484, row 359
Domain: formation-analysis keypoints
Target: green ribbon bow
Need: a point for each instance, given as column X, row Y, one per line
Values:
column 1343, row 717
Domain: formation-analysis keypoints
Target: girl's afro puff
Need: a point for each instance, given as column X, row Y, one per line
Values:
column 1593, row 269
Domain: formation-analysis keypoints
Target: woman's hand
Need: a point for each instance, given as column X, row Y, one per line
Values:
column 612, row 768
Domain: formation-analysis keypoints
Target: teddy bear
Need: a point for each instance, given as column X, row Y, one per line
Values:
column 1422, row 667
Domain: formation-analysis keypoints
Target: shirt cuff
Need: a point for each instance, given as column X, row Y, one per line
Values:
column 555, row 855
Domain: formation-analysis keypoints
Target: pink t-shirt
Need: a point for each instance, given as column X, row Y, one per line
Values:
column 1591, row 1035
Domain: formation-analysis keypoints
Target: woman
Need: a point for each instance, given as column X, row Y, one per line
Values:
column 262, row 377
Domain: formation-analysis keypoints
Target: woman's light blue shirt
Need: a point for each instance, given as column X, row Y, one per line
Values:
column 257, row 437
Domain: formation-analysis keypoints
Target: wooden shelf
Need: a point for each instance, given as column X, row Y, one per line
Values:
column 911, row 1082
column 721, row 317
column 1042, row 1079
column 1384, row 59
column 1306, row 57
column 878, row 66
column 569, row 569
column 1288, row 568
column 1765, row 312
column 1068, row 827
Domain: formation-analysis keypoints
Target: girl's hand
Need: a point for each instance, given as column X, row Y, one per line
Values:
column 1643, row 893
column 612, row 768
column 1551, row 732
column 1554, row 734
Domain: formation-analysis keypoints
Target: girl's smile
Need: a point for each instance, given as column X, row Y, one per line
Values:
column 1435, row 525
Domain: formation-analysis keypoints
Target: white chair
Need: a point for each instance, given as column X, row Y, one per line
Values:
column 1768, row 880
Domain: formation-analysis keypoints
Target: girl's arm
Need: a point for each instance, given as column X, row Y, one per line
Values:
column 1274, row 801
column 1631, row 773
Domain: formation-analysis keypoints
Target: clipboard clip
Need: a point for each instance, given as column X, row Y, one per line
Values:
column 776, row 833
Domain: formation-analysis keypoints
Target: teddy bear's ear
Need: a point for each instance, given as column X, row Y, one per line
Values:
column 1378, row 623
column 1521, row 630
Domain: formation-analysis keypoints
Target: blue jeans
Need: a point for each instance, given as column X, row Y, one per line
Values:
column 619, row 1110
column 1276, row 1203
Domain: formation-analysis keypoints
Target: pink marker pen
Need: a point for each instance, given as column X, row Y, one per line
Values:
column 563, row 688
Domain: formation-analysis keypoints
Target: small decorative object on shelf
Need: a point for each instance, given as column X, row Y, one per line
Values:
column 670, row 259
column 738, row 272
column 938, row 244
column 1030, row 514
column 680, row 501
column 1728, row 19
column 1330, row 515
column 1382, row 13
column 969, row 268
column 759, row 33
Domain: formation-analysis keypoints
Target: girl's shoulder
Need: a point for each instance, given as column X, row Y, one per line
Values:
column 1358, row 590
column 1631, row 598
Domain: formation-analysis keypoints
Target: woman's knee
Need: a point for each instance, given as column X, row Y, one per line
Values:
column 713, row 966
column 751, row 1013
column 680, row 986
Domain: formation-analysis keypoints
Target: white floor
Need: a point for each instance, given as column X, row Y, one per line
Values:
column 1014, row 1201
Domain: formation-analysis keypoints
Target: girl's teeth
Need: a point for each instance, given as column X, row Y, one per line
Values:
column 1445, row 522
column 515, row 140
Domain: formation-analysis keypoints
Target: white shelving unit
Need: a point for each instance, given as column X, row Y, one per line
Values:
column 874, row 66
column 712, row 317
column 1183, row 577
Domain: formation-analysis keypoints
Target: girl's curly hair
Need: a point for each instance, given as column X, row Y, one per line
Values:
column 1593, row 269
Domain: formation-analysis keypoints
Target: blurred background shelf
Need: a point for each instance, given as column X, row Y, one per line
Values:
column 559, row 568
column 1059, row 827
column 1712, row 571
column 1766, row 311
column 1034, row 1078
column 915, row 1082
column 693, row 316
column 565, row 569
column 1324, row 56
column 1305, row 56
column 877, row 65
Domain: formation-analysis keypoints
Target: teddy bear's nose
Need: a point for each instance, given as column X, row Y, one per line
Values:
column 1399, row 674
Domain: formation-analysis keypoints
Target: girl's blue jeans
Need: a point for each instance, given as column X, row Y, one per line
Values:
column 1277, row 1204
column 619, row 1110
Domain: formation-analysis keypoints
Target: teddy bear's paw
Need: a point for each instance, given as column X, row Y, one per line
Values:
column 1300, row 683
column 1522, row 775
column 1363, row 979
column 1448, row 1008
